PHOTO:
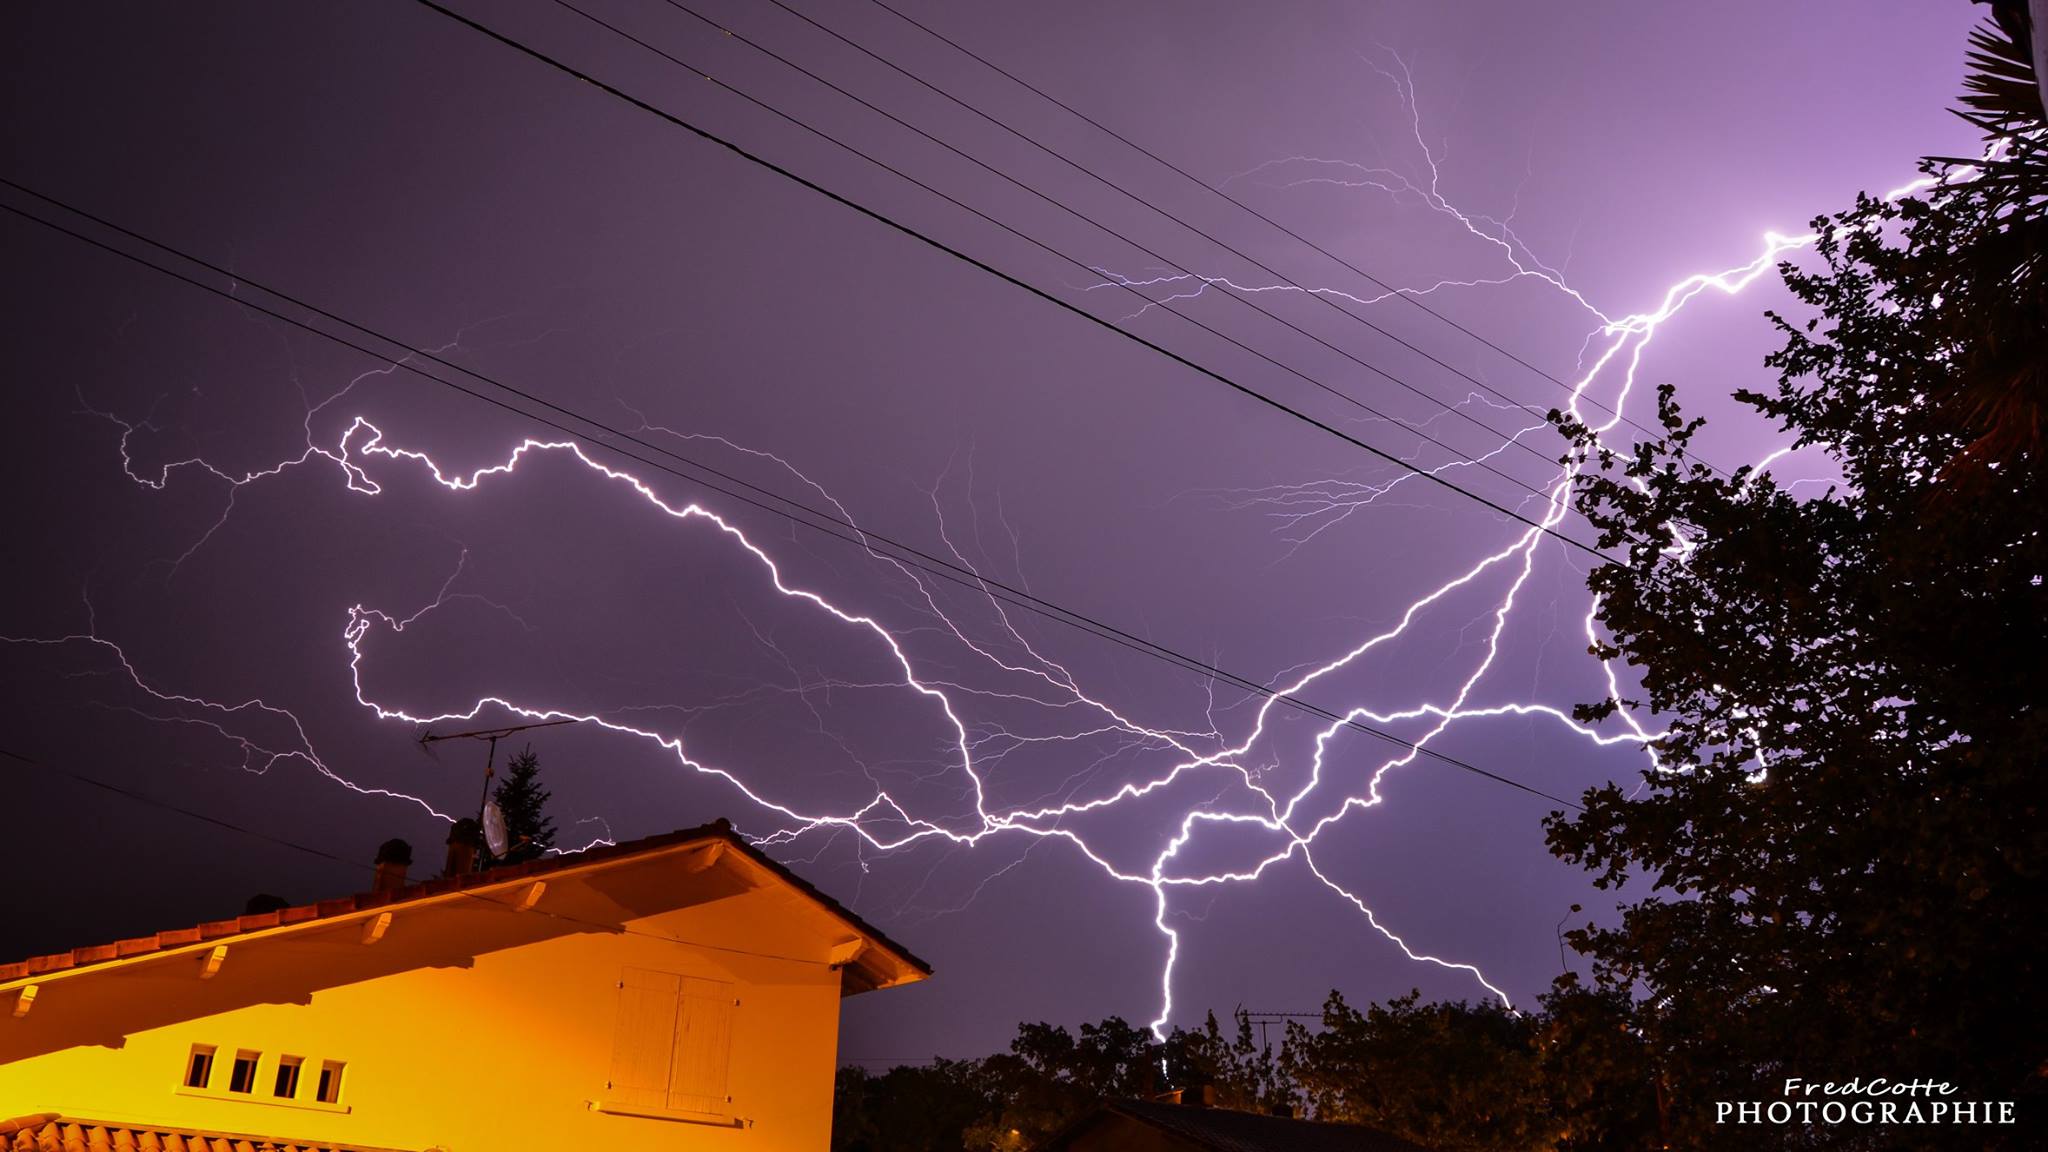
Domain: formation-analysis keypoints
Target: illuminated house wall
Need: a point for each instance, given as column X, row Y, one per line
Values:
column 684, row 997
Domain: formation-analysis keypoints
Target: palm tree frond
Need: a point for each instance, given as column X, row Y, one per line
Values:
column 2002, row 84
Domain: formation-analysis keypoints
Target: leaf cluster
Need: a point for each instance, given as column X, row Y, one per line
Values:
column 1844, row 847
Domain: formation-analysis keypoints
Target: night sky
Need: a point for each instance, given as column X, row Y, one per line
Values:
column 221, row 595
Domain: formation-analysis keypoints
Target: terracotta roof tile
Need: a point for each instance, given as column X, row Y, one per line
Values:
column 47, row 1132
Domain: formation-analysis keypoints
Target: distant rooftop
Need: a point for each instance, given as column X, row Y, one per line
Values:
column 1221, row 1130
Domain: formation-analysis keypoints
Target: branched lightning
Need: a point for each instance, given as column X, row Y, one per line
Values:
column 1243, row 782
column 1303, row 511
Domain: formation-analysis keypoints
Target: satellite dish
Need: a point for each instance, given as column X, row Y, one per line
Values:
column 495, row 837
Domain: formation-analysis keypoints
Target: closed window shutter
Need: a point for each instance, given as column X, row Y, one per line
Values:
column 703, row 1047
column 644, row 1046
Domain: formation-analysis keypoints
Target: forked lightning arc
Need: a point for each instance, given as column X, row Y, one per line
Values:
column 1018, row 669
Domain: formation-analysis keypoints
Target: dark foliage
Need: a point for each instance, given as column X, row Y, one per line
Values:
column 912, row 1109
column 529, row 830
column 1451, row 1076
column 1846, row 868
column 1048, row 1079
column 1572, row 1077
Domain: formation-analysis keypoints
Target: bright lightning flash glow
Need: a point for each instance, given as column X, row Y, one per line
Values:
column 1243, row 796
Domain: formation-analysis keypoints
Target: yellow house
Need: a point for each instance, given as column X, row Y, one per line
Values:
column 677, row 992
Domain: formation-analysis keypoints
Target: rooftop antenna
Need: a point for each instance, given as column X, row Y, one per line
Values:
column 494, row 831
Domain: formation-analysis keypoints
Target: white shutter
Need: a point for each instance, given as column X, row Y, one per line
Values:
column 644, row 1044
column 673, row 1044
column 703, row 1047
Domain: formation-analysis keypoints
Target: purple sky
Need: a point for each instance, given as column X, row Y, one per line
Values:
column 412, row 176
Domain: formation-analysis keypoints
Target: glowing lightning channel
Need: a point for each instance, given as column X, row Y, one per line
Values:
column 1617, row 346
column 1244, row 795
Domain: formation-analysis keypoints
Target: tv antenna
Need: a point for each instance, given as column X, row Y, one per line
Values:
column 497, row 843
column 1262, row 1019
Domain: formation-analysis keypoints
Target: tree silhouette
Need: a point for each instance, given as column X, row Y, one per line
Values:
column 1847, row 859
column 1449, row 1075
column 529, row 831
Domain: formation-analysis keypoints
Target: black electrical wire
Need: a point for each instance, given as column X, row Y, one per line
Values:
column 861, row 537
column 907, row 230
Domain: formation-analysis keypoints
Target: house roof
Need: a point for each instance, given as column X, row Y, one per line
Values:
column 221, row 931
column 48, row 1131
column 1222, row 1130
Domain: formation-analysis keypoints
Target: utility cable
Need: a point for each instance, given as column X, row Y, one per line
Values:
column 859, row 536
column 1505, row 437
column 1457, row 457
column 1221, row 194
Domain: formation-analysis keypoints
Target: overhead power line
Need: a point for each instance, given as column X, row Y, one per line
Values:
column 1254, row 212
column 191, row 813
column 924, row 238
column 1505, row 437
column 788, row 508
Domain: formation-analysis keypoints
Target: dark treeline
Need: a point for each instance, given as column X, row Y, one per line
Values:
column 1451, row 1076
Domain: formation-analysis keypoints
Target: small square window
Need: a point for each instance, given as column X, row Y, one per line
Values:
column 287, row 1085
column 199, row 1069
column 328, row 1091
column 242, row 1077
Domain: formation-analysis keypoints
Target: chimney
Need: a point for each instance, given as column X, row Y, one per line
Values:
column 393, row 858
column 1193, row 1096
column 463, row 839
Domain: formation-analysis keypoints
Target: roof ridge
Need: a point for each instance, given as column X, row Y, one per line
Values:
column 234, row 926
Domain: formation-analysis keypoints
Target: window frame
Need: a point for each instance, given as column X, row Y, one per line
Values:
column 327, row 1087
column 193, row 1063
column 288, row 1068
column 264, row 1070
column 244, row 1058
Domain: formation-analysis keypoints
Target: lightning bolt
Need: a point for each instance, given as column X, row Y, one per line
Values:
column 1244, row 782
column 1303, row 511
